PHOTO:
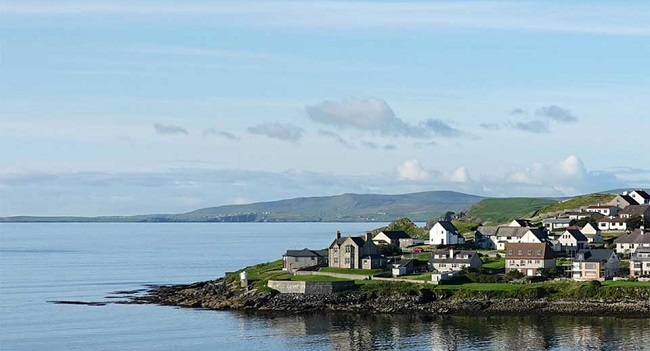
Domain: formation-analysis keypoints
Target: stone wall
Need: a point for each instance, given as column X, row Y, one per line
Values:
column 336, row 275
column 310, row 288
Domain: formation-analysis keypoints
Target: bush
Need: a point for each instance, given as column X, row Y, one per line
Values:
column 514, row 275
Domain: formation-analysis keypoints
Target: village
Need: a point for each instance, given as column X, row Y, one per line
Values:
column 592, row 243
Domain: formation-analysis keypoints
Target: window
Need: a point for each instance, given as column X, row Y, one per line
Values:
column 537, row 262
column 347, row 260
column 590, row 266
column 539, row 252
column 509, row 252
column 530, row 252
column 336, row 260
column 348, row 248
column 519, row 252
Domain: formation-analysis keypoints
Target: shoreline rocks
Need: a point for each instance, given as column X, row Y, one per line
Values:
column 218, row 295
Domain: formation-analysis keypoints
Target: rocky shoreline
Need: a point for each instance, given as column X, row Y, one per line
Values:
column 218, row 295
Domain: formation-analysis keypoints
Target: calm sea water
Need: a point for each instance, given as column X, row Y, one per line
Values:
column 45, row 262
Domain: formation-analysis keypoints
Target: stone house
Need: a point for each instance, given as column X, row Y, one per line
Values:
column 445, row 233
column 294, row 260
column 630, row 242
column 529, row 258
column 640, row 263
column 395, row 238
column 454, row 260
column 355, row 253
column 592, row 264
column 622, row 201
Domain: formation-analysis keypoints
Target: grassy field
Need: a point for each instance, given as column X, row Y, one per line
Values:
column 613, row 284
column 494, row 263
column 498, row 211
column 482, row 286
column 353, row 271
column 425, row 276
column 317, row 278
column 465, row 227
column 577, row 202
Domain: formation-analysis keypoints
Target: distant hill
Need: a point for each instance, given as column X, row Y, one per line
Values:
column 498, row 211
column 419, row 207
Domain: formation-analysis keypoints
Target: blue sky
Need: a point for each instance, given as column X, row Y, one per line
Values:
column 150, row 106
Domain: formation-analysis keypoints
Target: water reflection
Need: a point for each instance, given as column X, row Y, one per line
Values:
column 341, row 331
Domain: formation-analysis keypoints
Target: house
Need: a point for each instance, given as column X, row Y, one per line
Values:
column 622, row 201
column 519, row 223
column 614, row 223
column 529, row 258
column 556, row 223
column 640, row 263
column 635, row 210
column 630, row 242
column 640, row 196
column 390, row 237
column 481, row 241
column 445, row 233
column 572, row 240
column 593, row 234
column 595, row 265
column 573, row 215
column 454, row 260
column 605, row 210
column 355, row 253
column 299, row 259
column 403, row 267
column 500, row 235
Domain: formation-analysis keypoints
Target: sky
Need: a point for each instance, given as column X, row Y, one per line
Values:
column 118, row 108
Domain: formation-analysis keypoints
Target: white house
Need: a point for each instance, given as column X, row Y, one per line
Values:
column 534, row 235
column 640, row 196
column 615, row 223
column 573, row 240
column 445, row 233
column 556, row 223
column 519, row 223
column 454, row 260
column 592, row 233
column 640, row 263
column 605, row 210
column 630, row 242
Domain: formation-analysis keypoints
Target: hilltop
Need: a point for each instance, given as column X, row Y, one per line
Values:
column 496, row 211
column 420, row 206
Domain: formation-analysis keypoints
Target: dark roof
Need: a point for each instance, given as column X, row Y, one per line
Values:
column 404, row 263
column 556, row 220
column 611, row 220
column 374, row 256
column 448, row 226
column 635, row 237
column 636, row 210
column 507, row 231
column 306, row 253
column 576, row 234
column 601, row 206
column 628, row 199
column 643, row 194
column 593, row 255
column 537, row 251
column 396, row 234
column 357, row 240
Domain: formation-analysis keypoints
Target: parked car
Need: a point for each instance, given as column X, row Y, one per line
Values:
column 417, row 249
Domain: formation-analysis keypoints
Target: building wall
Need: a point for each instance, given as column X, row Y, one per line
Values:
column 524, row 265
column 295, row 263
column 311, row 288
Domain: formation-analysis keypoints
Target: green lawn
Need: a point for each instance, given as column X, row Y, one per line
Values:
column 620, row 283
column 494, row 263
column 317, row 278
column 352, row 271
column 425, row 276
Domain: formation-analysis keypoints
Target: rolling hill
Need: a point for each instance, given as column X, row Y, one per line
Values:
column 340, row 208
column 498, row 211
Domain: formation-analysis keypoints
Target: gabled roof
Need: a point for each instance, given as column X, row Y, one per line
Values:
column 522, row 222
column 557, row 220
column 306, row 253
column 576, row 234
column 448, row 226
column 636, row 210
column 642, row 193
column 395, row 234
column 511, row 231
column 628, row 199
column 599, row 255
column 404, row 263
column 539, row 233
column 357, row 240
column 637, row 236
column 611, row 220
column 531, row 251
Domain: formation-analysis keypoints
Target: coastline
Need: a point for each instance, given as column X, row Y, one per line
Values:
column 219, row 295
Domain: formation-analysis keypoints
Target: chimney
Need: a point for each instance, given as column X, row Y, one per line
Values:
column 368, row 236
column 338, row 234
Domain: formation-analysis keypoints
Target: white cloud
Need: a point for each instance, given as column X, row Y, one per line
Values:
column 281, row 131
column 459, row 175
column 412, row 170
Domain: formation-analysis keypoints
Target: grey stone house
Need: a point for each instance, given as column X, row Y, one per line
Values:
column 299, row 259
column 358, row 252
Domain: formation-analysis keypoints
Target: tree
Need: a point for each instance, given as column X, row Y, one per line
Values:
column 634, row 222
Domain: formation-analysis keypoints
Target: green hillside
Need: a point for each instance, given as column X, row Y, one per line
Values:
column 498, row 211
column 577, row 202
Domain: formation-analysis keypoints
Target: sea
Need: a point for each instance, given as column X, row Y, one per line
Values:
column 44, row 262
